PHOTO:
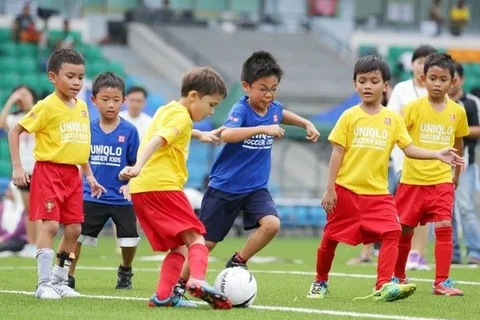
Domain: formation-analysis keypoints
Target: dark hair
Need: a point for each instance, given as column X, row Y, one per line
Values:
column 459, row 69
column 137, row 89
column 441, row 60
column 61, row 56
column 107, row 80
column 475, row 91
column 423, row 51
column 371, row 63
column 204, row 80
column 260, row 64
column 34, row 95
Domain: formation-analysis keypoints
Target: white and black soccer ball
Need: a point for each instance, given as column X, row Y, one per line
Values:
column 238, row 285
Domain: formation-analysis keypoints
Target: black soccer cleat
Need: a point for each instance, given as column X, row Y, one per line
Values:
column 71, row 282
column 231, row 263
column 124, row 280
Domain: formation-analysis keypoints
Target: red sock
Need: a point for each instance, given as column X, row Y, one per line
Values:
column 198, row 259
column 169, row 274
column 325, row 255
column 387, row 257
column 443, row 253
column 404, row 245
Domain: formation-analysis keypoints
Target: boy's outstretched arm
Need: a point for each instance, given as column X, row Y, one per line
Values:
column 232, row 135
column 447, row 155
column 290, row 118
column 212, row 136
column 19, row 175
column 146, row 153
column 329, row 199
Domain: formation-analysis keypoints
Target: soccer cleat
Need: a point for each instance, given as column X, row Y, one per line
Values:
column 28, row 251
column 47, row 291
column 71, row 282
column 174, row 301
column 203, row 291
column 124, row 280
column 318, row 290
column 179, row 289
column 447, row 288
column 65, row 291
column 399, row 280
column 391, row 292
column 412, row 261
column 231, row 263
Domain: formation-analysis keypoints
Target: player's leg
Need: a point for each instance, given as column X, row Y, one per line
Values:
column 259, row 213
column 416, row 258
column 127, row 239
column 32, row 227
column 45, row 257
column 96, row 215
column 366, row 256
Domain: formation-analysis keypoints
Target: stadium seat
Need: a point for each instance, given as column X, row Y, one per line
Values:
column 27, row 65
column 92, row 69
column 117, row 68
column 364, row 50
column 9, row 81
column 7, row 64
column 27, row 50
column 5, row 34
column 31, row 80
column 8, row 49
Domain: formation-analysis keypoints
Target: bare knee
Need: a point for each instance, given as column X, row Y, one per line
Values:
column 270, row 224
column 443, row 224
column 182, row 250
column 72, row 231
column 50, row 227
column 191, row 237
column 210, row 245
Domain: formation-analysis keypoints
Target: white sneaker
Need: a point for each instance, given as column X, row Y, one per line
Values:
column 47, row 291
column 7, row 254
column 65, row 291
column 28, row 251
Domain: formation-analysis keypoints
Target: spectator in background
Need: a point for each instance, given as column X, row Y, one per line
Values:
column 13, row 237
column 24, row 98
column 436, row 16
column 24, row 26
column 136, row 100
column 459, row 17
column 67, row 41
column 475, row 91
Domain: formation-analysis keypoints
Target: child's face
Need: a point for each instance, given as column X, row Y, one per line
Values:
column 69, row 79
column 135, row 103
column 108, row 102
column 438, row 81
column 261, row 92
column 201, row 108
column 25, row 101
column 370, row 86
column 417, row 66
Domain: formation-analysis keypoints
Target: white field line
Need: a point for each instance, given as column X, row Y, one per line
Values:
column 259, row 307
column 300, row 273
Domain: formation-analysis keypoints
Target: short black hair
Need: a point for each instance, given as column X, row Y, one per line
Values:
column 441, row 60
column 423, row 51
column 260, row 64
column 137, row 89
column 61, row 56
column 107, row 80
column 459, row 69
column 371, row 63
column 205, row 80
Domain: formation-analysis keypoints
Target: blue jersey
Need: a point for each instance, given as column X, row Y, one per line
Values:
column 110, row 153
column 244, row 166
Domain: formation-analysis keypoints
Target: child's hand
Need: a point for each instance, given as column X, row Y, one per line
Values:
column 274, row 130
column 128, row 172
column 329, row 200
column 97, row 189
column 449, row 156
column 20, row 177
column 312, row 133
column 212, row 136
column 125, row 190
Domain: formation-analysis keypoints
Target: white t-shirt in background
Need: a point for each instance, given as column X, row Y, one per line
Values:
column 27, row 143
column 142, row 122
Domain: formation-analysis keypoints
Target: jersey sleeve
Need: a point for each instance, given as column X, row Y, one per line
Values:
column 171, row 126
column 132, row 147
column 461, row 129
column 402, row 138
column 236, row 117
column 407, row 114
column 339, row 134
column 35, row 119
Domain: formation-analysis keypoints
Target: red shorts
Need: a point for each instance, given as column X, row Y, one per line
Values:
column 361, row 218
column 164, row 215
column 422, row 204
column 56, row 193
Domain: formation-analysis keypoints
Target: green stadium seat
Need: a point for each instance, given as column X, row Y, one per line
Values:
column 27, row 65
column 405, row 75
column 476, row 69
column 9, row 81
column 95, row 68
column 31, row 80
column 5, row 34
column 27, row 50
column 92, row 52
column 364, row 50
column 5, row 168
column 7, row 64
column 44, row 85
column 117, row 68
column 8, row 49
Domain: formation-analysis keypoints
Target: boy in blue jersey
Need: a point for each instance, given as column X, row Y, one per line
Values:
column 239, row 176
column 114, row 145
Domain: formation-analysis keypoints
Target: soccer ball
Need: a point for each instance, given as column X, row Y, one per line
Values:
column 238, row 285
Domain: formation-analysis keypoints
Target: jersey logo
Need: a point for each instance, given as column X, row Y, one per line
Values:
column 84, row 114
column 121, row 138
column 452, row 117
column 275, row 118
column 388, row 121
column 49, row 205
column 33, row 115
column 234, row 119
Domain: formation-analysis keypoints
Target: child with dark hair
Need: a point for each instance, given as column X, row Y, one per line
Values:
column 62, row 142
column 135, row 101
column 426, row 190
column 359, row 207
column 114, row 145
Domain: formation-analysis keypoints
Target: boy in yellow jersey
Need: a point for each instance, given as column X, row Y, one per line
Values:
column 62, row 141
column 358, row 205
column 162, row 208
column 426, row 190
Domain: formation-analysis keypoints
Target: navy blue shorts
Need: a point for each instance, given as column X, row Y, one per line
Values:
column 219, row 210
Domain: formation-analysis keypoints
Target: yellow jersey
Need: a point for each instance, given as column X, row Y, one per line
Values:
column 432, row 130
column 368, row 141
column 62, row 133
column 167, row 168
